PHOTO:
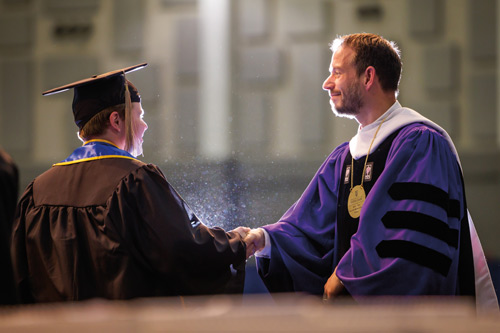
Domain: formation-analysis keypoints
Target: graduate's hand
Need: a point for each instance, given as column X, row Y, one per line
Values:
column 242, row 231
column 255, row 241
column 333, row 286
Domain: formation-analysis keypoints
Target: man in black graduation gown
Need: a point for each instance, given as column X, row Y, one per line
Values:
column 103, row 224
column 9, row 182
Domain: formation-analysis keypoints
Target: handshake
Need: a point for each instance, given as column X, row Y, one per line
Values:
column 254, row 239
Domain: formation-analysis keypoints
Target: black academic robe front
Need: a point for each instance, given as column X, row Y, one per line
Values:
column 115, row 228
column 9, row 180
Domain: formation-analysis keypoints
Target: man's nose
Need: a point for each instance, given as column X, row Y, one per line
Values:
column 328, row 84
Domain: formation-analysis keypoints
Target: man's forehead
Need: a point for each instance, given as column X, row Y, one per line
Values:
column 342, row 56
column 137, row 107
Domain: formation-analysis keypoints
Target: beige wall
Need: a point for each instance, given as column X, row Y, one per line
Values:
column 275, row 115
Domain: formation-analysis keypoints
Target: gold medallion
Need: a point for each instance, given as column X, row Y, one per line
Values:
column 357, row 196
column 355, row 201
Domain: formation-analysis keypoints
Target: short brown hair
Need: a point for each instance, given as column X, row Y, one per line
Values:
column 374, row 50
column 98, row 123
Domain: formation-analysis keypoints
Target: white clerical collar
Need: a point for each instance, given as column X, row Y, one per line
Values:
column 394, row 118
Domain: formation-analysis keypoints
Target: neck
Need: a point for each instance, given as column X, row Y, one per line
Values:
column 99, row 140
column 374, row 109
column 116, row 141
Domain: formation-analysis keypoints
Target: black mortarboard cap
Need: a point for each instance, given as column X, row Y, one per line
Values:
column 99, row 92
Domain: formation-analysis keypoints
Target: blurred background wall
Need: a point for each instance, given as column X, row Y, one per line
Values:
column 237, row 118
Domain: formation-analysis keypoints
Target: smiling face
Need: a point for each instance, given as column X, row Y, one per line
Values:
column 344, row 85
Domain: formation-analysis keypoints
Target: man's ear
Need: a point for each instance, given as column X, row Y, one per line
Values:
column 369, row 77
column 115, row 121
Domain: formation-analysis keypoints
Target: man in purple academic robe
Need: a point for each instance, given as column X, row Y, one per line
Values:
column 402, row 228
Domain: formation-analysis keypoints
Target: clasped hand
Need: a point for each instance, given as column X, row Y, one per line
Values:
column 253, row 238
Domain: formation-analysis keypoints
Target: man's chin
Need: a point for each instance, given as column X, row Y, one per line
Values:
column 137, row 151
column 342, row 113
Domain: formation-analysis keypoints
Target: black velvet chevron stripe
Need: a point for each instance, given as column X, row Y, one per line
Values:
column 422, row 223
column 427, row 193
column 416, row 253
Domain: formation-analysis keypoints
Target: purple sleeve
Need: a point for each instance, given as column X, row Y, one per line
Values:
column 303, row 239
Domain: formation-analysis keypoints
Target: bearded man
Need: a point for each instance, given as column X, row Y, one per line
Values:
column 400, row 229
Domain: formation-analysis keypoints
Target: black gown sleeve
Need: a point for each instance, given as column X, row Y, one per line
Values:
column 18, row 249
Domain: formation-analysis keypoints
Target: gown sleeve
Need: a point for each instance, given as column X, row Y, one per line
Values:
column 18, row 249
column 169, row 238
column 302, row 241
column 407, row 242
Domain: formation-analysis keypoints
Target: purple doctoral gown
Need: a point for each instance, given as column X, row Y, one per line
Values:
column 408, row 236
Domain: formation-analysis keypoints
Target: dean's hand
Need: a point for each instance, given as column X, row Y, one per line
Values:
column 255, row 241
column 333, row 286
